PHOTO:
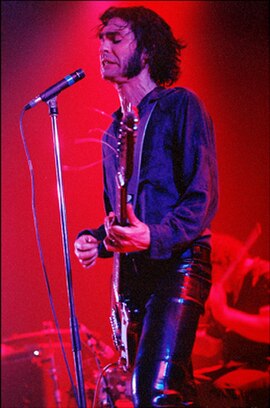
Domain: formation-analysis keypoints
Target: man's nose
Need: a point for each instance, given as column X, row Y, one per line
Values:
column 105, row 46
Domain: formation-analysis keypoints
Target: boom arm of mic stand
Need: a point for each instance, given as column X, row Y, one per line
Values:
column 76, row 344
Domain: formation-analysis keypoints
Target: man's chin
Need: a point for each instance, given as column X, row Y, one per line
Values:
column 107, row 76
column 112, row 78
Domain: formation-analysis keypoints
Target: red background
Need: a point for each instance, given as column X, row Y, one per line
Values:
column 226, row 63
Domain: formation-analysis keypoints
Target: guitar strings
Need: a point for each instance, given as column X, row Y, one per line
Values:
column 92, row 164
column 94, row 140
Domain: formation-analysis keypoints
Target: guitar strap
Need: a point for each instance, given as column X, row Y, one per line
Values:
column 134, row 181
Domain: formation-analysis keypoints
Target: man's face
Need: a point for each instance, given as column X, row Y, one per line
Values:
column 118, row 57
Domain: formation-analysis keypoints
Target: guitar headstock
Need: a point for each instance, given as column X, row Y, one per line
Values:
column 126, row 143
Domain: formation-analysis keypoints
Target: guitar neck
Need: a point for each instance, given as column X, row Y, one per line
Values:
column 122, row 208
column 120, row 311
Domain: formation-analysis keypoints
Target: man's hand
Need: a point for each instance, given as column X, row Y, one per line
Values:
column 86, row 250
column 132, row 238
column 217, row 303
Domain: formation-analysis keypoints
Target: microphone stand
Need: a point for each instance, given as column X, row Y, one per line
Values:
column 76, row 344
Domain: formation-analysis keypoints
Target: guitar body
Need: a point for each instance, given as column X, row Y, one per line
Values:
column 125, row 327
column 123, row 319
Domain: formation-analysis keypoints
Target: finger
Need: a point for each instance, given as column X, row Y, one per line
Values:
column 80, row 249
column 109, row 221
column 118, row 233
column 90, row 239
column 89, row 264
column 106, row 225
column 88, row 259
column 87, row 254
column 111, row 245
column 133, row 220
column 85, row 243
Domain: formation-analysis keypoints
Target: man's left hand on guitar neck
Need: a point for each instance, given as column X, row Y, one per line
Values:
column 131, row 238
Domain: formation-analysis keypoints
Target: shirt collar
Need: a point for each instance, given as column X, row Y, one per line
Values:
column 152, row 96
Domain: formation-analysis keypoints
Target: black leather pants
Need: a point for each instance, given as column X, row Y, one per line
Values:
column 163, row 374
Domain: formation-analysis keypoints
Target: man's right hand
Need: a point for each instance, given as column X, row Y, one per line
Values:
column 86, row 250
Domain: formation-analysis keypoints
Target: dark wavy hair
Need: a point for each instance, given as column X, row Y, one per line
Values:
column 154, row 36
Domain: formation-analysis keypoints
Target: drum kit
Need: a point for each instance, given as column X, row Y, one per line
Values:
column 38, row 371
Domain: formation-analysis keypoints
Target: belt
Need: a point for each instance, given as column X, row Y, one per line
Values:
column 197, row 252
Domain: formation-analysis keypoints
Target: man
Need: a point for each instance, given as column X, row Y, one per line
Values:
column 238, row 325
column 167, row 240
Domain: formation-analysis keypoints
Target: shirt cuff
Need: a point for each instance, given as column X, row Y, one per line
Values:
column 161, row 242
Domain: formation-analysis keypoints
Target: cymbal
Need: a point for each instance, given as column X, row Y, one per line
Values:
column 47, row 333
column 48, row 338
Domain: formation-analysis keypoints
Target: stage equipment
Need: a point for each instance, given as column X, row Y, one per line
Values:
column 34, row 372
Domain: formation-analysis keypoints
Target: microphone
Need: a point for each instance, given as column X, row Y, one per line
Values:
column 56, row 88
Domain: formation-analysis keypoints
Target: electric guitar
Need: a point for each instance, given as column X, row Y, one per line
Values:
column 123, row 325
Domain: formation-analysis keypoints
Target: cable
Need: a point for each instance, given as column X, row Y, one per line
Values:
column 102, row 376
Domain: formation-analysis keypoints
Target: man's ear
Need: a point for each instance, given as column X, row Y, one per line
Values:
column 144, row 58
